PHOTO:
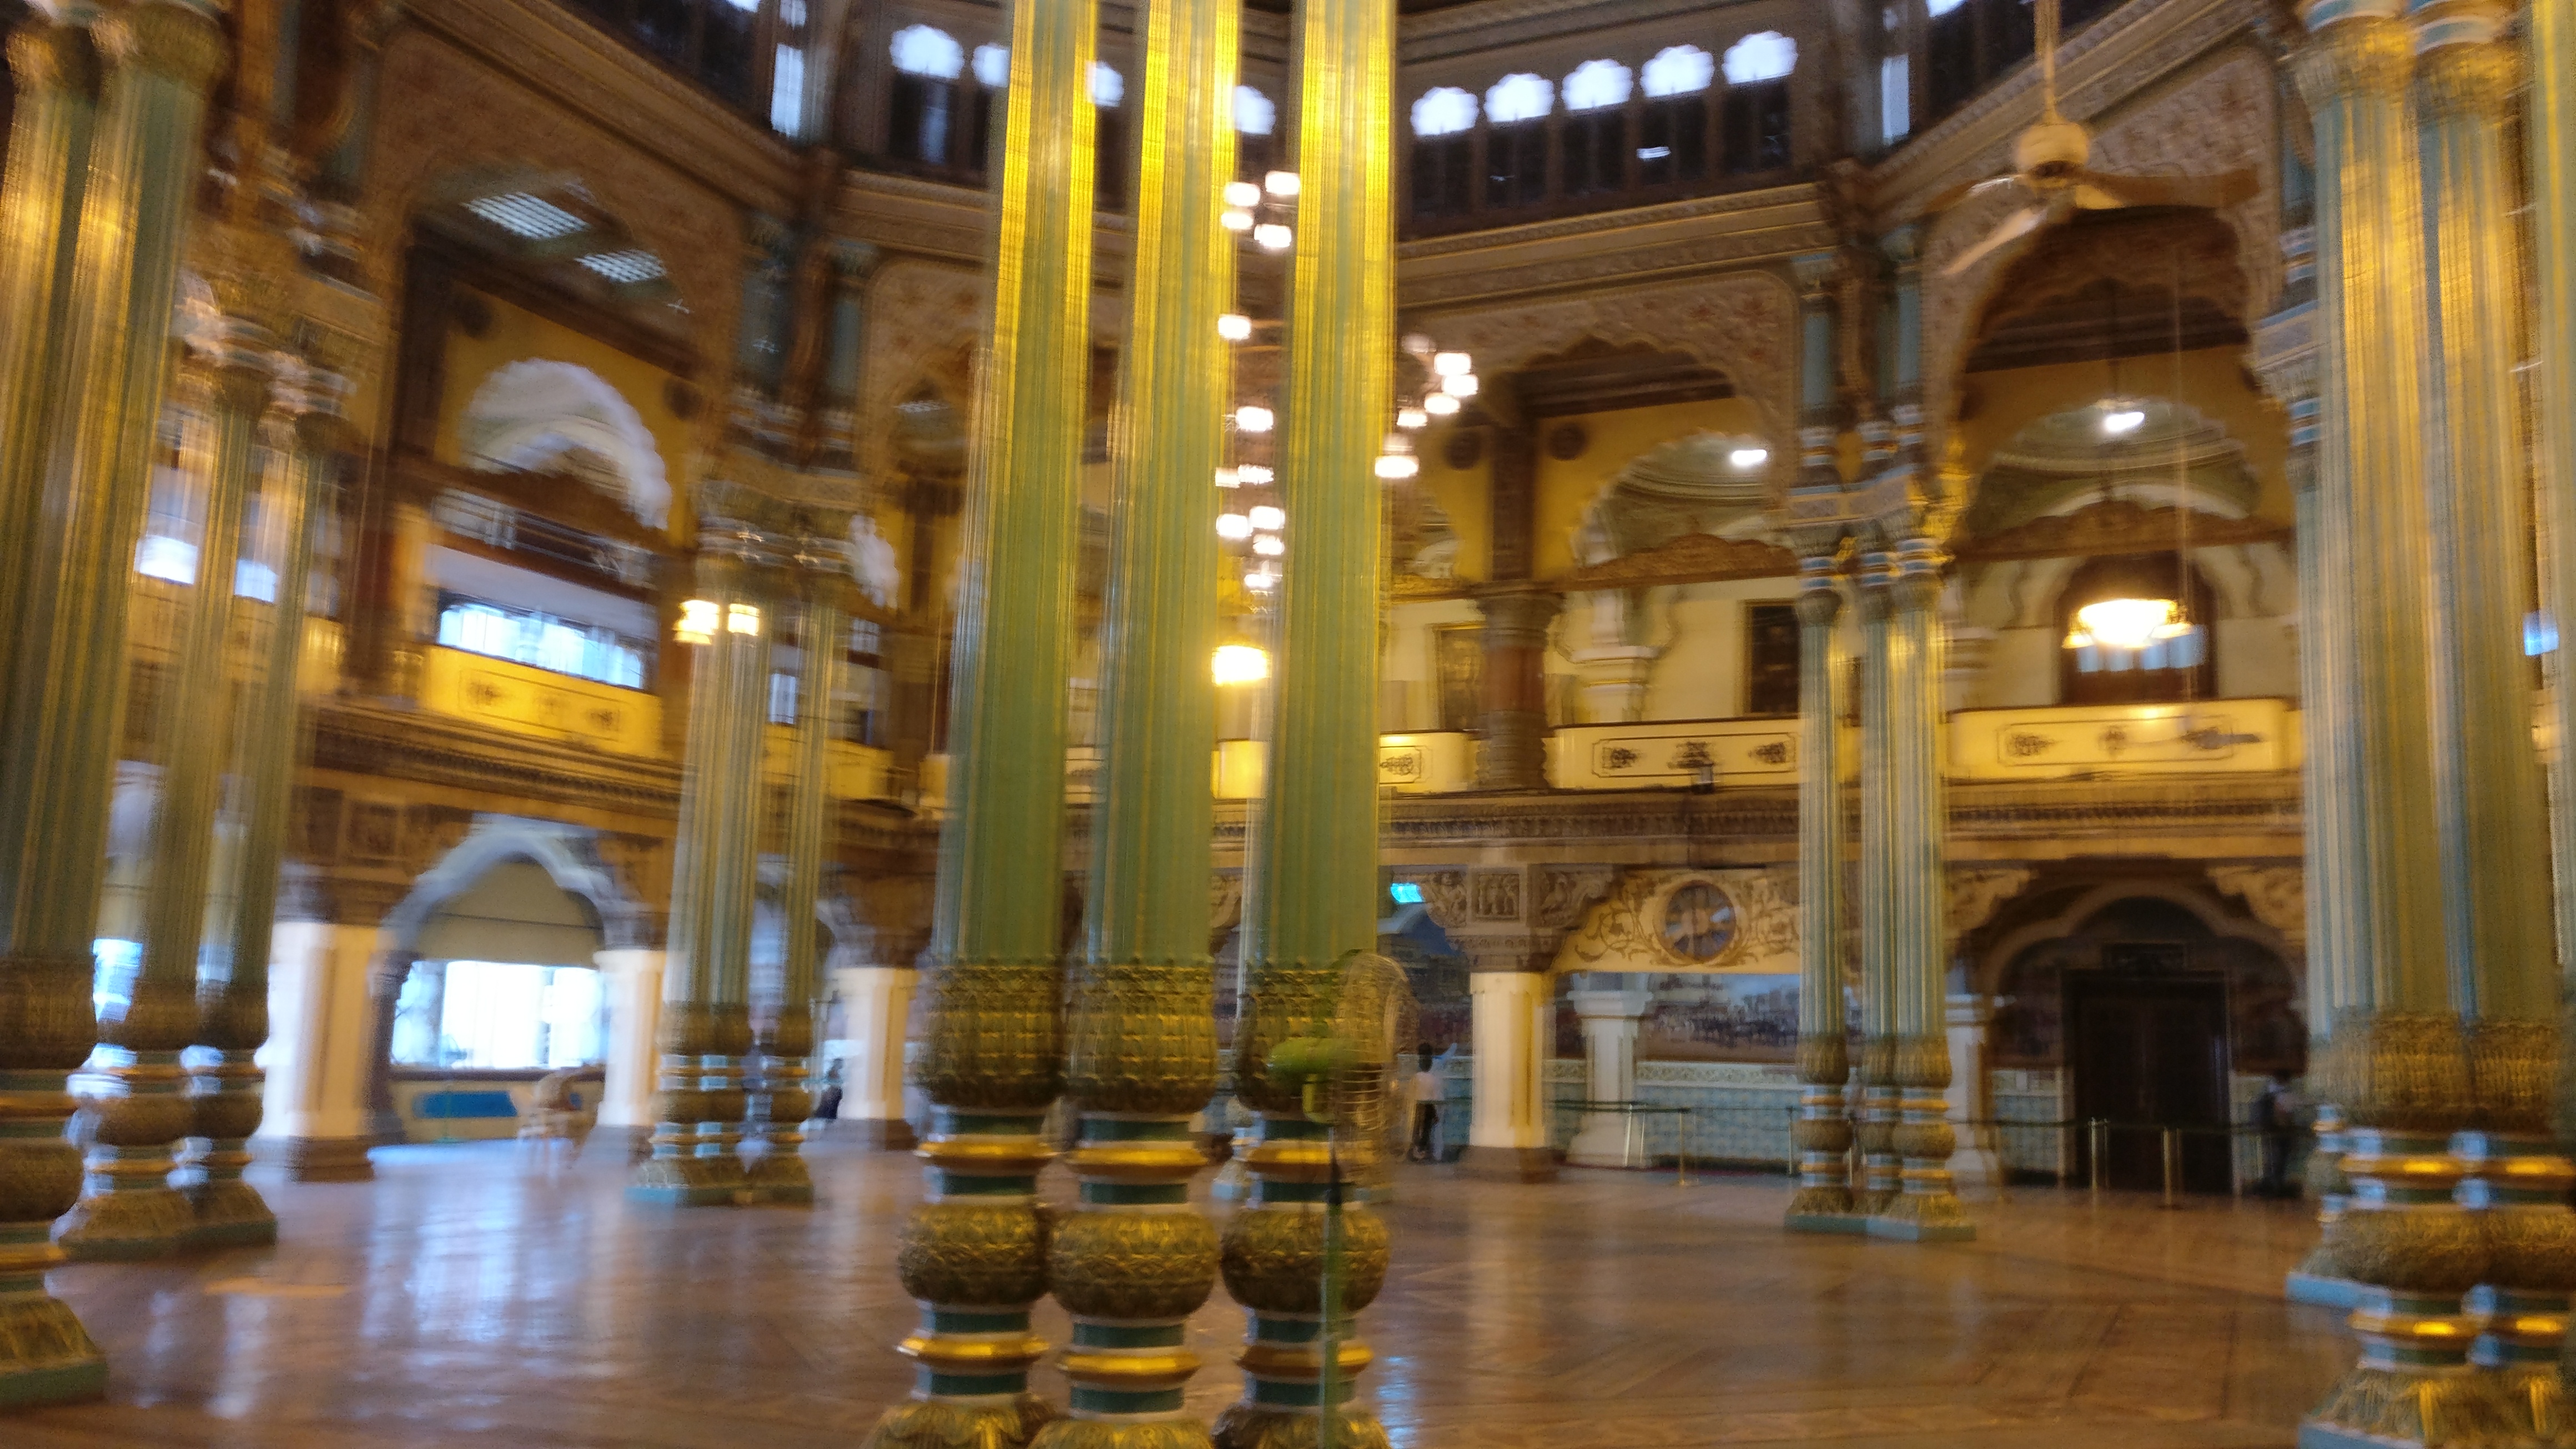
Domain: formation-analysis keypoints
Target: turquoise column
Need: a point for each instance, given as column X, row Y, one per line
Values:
column 974, row 1254
column 1136, row 1259
column 2396, row 1064
column 1312, row 889
column 130, row 1208
column 46, row 1028
column 2487, row 778
column 1875, row 1129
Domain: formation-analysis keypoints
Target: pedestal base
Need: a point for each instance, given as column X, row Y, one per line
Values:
column 317, row 1159
column 1509, row 1164
column 1909, row 1230
column 886, row 1134
column 242, row 1233
column 70, row 1383
column 2320, row 1292
column 1853, row 1224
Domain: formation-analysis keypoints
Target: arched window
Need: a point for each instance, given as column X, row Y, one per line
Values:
column 1757, row 102
column 1596, row 127
column 787, row 72
column 921, row 121
column 1672, row 133
column 1516, row 140
column 1256, row 123
column 2148, row 641
column 992, row 71
column 1109, row 141
column 1444, row 122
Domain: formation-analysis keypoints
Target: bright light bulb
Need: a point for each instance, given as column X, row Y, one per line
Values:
column 1242, row 193
column 697, row 623
column 1451, row 364
column 1254, row 474
column 1266, row 517
column 1240, row 664
column 1440, row 405
column 742, row 619
column 1236, row 219
column 2130, row 623
column 1228, row 478
column 1253, row 418
column 1280, row 183
column 1261, row 581
column 1234, row 327
column 1269, row 546
column 2121, row 421
column 1233, row 525
column 1749, row 457
column 1398, row 465
column 1459, row 384
column 1273, row 236
column 1411, row 418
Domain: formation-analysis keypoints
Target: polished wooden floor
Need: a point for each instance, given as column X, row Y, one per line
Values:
column 470, row 1297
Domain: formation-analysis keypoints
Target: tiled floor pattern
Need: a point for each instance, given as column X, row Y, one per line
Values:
column 470, row 1297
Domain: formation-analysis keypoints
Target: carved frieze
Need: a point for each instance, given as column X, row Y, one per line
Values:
column 2274, row 893
column 1693, row 558
column 2115, row 526
column 1495, row 894
column 1692, row 920
column 1977, row 891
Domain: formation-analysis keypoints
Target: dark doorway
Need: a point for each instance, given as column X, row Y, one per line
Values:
column 2146, row 1038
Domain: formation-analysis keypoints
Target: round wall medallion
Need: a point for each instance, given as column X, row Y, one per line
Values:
column 1699, row 922
column 1464, row 449
column 1566, row 442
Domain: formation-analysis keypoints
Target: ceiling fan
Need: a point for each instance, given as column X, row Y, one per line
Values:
column 2048, row 165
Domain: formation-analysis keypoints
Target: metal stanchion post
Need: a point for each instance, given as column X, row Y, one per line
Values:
column 2100, row 1132
column 2173, row 1166
column 2235, row 1167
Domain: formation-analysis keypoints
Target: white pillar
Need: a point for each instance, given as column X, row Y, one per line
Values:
column 632, row 982
column 1508, row 1137
column 1610, row 1021
column 322, row 1019
column 1971, row 1091
column 876, row 1003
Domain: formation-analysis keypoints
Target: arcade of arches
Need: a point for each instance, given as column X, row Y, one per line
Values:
column 624, row 611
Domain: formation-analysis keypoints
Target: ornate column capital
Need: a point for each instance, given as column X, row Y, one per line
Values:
column 1519, row 615
column 1816, row 273
column 2463, row 76
column 52, row 57
column 180, row 42
column 1819, row 602
column 2351, row 52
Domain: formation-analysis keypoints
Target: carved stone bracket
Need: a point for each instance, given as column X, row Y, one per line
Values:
column 1977, row 891
column 2275, row 894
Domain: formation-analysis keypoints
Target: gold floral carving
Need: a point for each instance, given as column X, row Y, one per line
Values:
column 964, row 1253
column 996, row 1035
column 1628, row 925
column 2115, row 525
column 1976, row 892
column 1743, row 324
column 1273, row 1257
column 1141, row 1037
column 2220, row 120
column 1693, row 558
column 2277, row 895
column 1133, row 1265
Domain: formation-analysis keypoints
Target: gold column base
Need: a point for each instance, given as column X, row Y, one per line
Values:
column 920, row 1423
column 1252, row 1426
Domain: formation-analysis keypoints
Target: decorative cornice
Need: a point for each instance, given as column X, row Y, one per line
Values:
column 2116, row 526
column 1694, row 558
column 1495, row 24
column 567, row 59
column 1629, row 247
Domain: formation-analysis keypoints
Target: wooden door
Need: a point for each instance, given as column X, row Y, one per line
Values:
column 2149, row 1051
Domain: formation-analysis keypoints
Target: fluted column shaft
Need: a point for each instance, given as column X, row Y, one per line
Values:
column 2549, row 146
column 1876, row 1129
column 1313, row 890
column 2395, row 1064
column 706, row 999
column 232, row 997
column 132, row 1093
column 1136, row 1259
column 1824, row 1132
column 974, row 1254
column 2488, row 784
column 785, row 1043
column 1927, row 1207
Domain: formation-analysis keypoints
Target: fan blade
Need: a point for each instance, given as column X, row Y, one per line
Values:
column 2211, row 192
column 2094, row 198
column 2021, row 223
column 1962, row 192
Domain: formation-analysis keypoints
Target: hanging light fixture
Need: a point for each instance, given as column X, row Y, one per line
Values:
column 1234, row 327
column 697, row 623
column 2124, row 623
column 1254, row 418
column 1440, row 404
column 2119, row 419
column 1238, row 662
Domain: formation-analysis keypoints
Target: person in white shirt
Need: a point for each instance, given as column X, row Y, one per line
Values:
column 1426, row 1091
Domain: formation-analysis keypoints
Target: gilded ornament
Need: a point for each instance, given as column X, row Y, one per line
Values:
column 930, row 1424
column 2400, row 1071
column 172, row 40
column 1142, row 1037
column 2363, row 55
column 1821, row 1134
column 1254, row 1426
column 1147, row 1434
column 996, row 1040
column 1273, row 1258
column 964, row 1253
column 2513, row 1074
column 1132, row 1265
column 2472, row 81
column 1923, row 1062
column 1824, row 1058
column 39, row 1179
column 50, row 57
column 1925, row 1141
column 2438, row 1250
column 47, row 1022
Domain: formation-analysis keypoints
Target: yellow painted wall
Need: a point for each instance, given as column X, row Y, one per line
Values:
column 1467, row 496
column 1566, row 488
column 1999, row 404
column 517, row 335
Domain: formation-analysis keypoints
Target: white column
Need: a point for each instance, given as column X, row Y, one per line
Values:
column 1611, row 661
column 876, row 1003
column 1508, row 1137
column 1971, row 1091
column 1610, row 1021
column 322, row 1030
column 632, row 977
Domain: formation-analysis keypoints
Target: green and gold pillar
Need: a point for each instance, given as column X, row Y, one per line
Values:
column 1823, row 1202
column 1313, row 889
column 2487, row 777
column 975, row 1252
column 225, row 1086
column 133, row 1104
column 1925, row 1207
column 2396, row 1064
column 785, row 1042
column 706, row 1003
column 1136, row 1258
column 1875, row 1121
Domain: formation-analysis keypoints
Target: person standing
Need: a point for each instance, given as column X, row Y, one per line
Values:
column 2276, row 1116
column 1426, row 1091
